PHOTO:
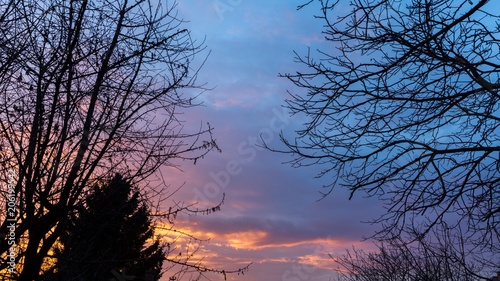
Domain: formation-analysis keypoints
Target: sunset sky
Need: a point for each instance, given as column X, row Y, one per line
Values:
column 271, row 216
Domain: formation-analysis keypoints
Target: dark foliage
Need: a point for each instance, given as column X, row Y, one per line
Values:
column 109, row 235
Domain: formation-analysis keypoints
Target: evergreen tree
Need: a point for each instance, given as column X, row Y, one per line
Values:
column 107, row 238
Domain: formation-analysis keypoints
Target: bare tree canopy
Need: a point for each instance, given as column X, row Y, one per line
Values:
column 88, row 89
column 405, row 106
column 398, row 260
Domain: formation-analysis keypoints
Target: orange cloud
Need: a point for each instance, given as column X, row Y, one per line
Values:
column 247, row 240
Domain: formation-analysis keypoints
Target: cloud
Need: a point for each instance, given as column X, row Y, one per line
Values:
column 271, row 215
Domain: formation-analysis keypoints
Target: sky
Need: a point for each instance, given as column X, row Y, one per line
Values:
column 271, row 215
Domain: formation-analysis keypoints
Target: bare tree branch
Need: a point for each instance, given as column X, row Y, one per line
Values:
column 405, row 106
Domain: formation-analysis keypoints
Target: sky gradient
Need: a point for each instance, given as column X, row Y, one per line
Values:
column 271, row 216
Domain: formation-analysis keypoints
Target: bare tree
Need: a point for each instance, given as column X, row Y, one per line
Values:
column 405, row 106
column 398, row 260
column 87, row 89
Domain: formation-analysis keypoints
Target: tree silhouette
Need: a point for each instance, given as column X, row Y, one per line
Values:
column 405, row 106
column 400, row 260
column 110, row 234
column 89, row 89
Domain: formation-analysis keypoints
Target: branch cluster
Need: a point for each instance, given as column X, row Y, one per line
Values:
column 406, row 107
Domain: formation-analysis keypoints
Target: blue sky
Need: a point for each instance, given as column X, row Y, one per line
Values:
column 271, row 215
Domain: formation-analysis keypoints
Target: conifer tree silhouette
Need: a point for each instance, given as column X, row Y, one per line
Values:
column 108, row 238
